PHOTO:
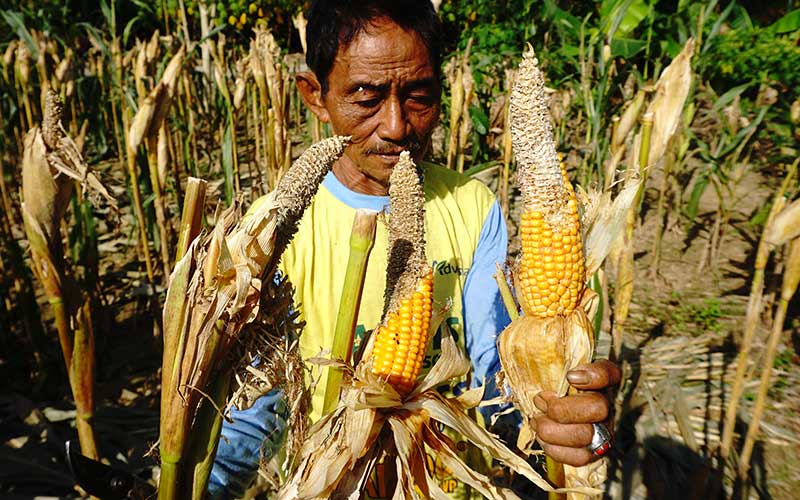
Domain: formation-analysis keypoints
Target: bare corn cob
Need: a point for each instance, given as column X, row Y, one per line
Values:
column 402, row 336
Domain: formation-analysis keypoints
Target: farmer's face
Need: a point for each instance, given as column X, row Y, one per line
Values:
column 382, row 91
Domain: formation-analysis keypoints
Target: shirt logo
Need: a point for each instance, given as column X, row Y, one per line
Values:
column 443, row 267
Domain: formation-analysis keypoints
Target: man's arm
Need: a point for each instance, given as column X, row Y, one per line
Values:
column 254, row 434
column 485, row 315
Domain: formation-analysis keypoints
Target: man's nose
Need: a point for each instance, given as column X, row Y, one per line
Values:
column 393, row 122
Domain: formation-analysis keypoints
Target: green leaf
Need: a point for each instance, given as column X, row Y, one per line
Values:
column 745, row 133
column 626, row 47
column 479, row 120
column 694, row 200
column 108, row 14
column 760, row 217
column 475, row 170
column 729, row 96
column 17, row 23
column 621, row 17
column 561, row 17
column 227, row 162
column 127, row 31
column 788, row 23
column 633, row 16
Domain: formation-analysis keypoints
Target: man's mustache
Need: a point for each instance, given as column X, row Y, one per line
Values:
column 413, row 146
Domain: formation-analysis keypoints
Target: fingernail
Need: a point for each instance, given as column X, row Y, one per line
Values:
column 579, row 377
column 540, row 403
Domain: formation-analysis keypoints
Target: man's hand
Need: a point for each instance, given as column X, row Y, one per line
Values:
column 565, row 429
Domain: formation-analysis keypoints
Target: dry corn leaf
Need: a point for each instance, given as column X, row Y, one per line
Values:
column 667, row 106
column 786, row 225
column 153, row 110
column 603, row 222
column 341, row 442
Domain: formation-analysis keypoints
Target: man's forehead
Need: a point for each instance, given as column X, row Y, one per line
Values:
column 384, row 41
column 378, row 57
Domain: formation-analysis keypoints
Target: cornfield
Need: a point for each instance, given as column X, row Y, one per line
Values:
column 652, row 208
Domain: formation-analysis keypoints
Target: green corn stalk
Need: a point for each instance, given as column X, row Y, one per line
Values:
column 361, row 241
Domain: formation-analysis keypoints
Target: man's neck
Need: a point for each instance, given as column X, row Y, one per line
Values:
column 355, row 180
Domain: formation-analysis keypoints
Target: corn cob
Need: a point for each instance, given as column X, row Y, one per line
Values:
column 551, row 271
column 402, row 336
column 554, row 335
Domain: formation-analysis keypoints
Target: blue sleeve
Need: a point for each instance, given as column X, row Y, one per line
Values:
column 252, row 435
column 485, row 315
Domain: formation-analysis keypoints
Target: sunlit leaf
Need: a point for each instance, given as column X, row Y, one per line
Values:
column 626, row 47
column 788, row 23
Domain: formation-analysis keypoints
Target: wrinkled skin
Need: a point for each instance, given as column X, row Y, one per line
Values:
column 565, row 430
column 383, row 91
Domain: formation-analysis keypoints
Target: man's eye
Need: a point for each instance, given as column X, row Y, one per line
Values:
column 368, row 103
column 421, row 99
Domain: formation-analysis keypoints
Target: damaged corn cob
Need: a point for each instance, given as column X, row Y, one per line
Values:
column 554, row 335
column 215, row 292
column 402, row 336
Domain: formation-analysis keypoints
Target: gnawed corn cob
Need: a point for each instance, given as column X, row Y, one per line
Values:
column 554, row 335
column 551, row 271
column 400, row 343
column 216, row 290
column 402, row 336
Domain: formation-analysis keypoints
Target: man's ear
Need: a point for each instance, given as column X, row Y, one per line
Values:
column 311, row 93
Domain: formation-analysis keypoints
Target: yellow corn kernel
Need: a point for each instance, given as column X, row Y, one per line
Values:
column 551, row 268
column 400, row 341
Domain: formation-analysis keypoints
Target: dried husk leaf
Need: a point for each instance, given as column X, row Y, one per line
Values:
column 603, row 222
column 537, row 353
column 348, row 437
column 667, row 106
column 786, row 225
column 154, row 108
column 51, row 162
column 45, row 196
column 300, row 23
column 627, row 120
column 206, row 317
column 162, row 154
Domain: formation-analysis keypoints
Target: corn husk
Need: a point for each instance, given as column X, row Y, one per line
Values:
column 373, row 421
column 50, row 166
column 155, row 106
column 671, row 92
column 786, row 225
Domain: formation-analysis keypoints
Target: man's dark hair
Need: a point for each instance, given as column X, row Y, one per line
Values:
column 334, row 23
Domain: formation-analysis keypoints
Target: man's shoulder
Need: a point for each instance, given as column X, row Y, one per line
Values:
column 442, row 180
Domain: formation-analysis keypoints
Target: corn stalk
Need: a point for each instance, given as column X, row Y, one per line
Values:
column 214, row 293
column 361, row 241
column 51, row 163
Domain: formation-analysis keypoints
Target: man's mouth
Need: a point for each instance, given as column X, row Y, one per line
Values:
column 389, row 156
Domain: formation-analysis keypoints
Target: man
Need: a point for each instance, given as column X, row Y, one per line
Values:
column 375, row 76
